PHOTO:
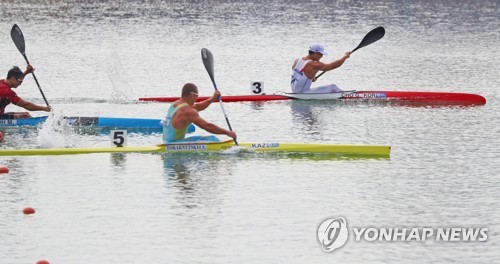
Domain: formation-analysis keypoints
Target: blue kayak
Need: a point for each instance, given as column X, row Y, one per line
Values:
column 149, row 124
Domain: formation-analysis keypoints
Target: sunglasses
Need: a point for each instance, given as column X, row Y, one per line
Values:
column 194, row 93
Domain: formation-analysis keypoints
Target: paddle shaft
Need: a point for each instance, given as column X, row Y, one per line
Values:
column 224, row 111
column 36, row 80
column 208, row 62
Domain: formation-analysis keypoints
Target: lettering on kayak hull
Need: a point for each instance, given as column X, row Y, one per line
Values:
column 8, row 122
column 380, row 95
column 257, row 146
column 265, row 145
column 185, row 147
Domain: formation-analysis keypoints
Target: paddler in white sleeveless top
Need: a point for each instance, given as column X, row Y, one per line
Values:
column 305, row 69
column 184, row 111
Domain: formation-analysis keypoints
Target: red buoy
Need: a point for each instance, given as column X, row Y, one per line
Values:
column 28, row 210
column 1, row 136
column 42, row 262
column 4, row 169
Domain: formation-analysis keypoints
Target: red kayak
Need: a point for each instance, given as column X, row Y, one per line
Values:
column 399, row 96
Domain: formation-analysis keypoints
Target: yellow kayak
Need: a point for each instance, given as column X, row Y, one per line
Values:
column 342, row 150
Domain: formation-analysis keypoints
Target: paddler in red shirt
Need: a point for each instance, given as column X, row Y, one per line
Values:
column 14, row 79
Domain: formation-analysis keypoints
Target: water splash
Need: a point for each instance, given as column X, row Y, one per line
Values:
column 55, row 132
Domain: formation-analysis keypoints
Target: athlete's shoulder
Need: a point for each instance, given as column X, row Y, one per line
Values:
column 314, row 64
column 5, row 91
column 4, row 85
column 186, row 108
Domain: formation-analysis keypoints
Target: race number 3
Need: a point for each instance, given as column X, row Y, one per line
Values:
column 257, row 87
column 118, row 138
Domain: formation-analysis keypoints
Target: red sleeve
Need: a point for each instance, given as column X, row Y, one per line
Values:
column 7, row 93
column 13, row 98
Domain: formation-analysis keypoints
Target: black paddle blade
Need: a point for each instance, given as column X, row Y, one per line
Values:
column 208, row 61
column 18, row 38
column 371, row 37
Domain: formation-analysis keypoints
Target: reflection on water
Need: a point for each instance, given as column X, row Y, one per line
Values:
column 176, row 166
column 258, row 106
column 186, row 174
column 118, row 160
column 179, row 166
column 304, row 115
column 308, row 116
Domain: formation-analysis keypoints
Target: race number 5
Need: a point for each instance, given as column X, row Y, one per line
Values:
column 257, row 87
column 118, row 138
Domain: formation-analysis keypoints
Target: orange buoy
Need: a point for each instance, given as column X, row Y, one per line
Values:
column 42, row 262
column 4, row 169
column 28, row 210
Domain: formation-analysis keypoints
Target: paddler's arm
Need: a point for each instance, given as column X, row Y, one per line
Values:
column 195, row 118
column 32, row 107
column 204, row 104
column 333, row 65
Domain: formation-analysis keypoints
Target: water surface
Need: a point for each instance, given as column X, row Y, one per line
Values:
column 95, row 58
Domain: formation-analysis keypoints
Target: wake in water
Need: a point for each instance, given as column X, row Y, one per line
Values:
column 235, row 150
column 116, row 73
column 56, row 133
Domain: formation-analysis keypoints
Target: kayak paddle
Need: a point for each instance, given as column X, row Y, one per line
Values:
column 18, row 38
column 372, row 36
column 208, row 61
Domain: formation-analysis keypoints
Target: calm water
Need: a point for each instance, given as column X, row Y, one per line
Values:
column 95, row 58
